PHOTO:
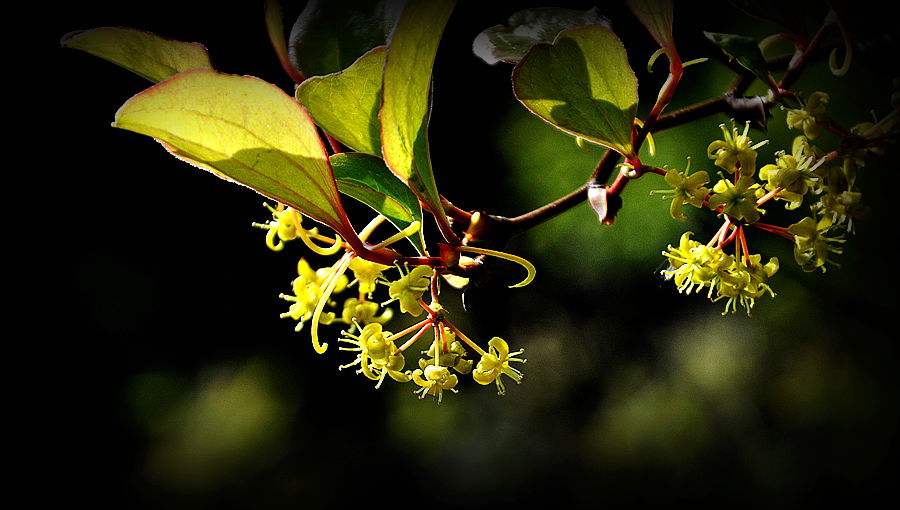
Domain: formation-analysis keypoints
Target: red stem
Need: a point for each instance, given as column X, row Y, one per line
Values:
column 744, row 243
column 335, row 145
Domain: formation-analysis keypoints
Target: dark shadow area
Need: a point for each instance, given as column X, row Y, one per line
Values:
column 172, row 383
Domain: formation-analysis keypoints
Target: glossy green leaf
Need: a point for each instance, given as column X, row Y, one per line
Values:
column 148, row 55
column 330, row 35
column 346, row 103
column 581, row 84
column 656, row 16
column 367, row 179
column 245, row 129
column 745, row 50
column 406, row 106
column 509, row 43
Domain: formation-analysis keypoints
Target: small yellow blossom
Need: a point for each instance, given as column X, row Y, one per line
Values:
column 308, row 288
column 434, row 381
column 377, row 355
column 283, row 226
column 366, row 273
column 409, row 288
column 806, row 117
column 735, row 151
column 744, row 283
column 363, row 312
column 495, row 363
column 454, row 357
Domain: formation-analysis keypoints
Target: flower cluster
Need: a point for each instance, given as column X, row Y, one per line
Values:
column 737, row 280
column 378, row 353
column 824, row 180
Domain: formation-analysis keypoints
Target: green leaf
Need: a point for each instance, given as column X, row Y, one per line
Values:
column 346, row 103
column 367, row 179
column 143, row 53
column 245, row 129
column 790, row 15
column 581, row 84
column 656, row 16
column 330, row 35
column 406, row 106
column 743, row 49
column 509, row 43
column 275, row 29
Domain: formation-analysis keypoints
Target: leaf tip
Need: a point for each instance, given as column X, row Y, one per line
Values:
column 65, row 40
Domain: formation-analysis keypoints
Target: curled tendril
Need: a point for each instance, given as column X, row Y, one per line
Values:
column 315, row 248
column 340, row 269
column 656, row 54
column 651, row 145
column 372, row 225
column 848, row 48
column 694, row 62
column 832, row 59
column 529, row 267
column 770, row 40
column 411, row 229
column 662, row 51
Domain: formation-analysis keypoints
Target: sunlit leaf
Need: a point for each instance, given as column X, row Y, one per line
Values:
column 245, row 129
column 509, row 43
column 406, row 107
column 346, row 103
column 745, row 50
column 330, row 35
column 148, row 55
column 581, row 84
column 656, row 16
column 367, row 179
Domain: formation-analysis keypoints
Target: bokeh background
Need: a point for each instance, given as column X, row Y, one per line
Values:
column 181, row 388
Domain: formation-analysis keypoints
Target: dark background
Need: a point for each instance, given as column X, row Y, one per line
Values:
column 176, row 385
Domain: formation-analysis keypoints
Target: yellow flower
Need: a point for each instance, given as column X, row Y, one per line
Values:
column 283, row 226
column 377, row 355
column 308, row 288
column 409, row 288
column 805, row 118
column 454, row 357
column 287, row 224
column 495, row 363
column 744, row 283
column 694, row 265
column 364, row 312
column 735, row 151
column 434, row 381
column 366, row 274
